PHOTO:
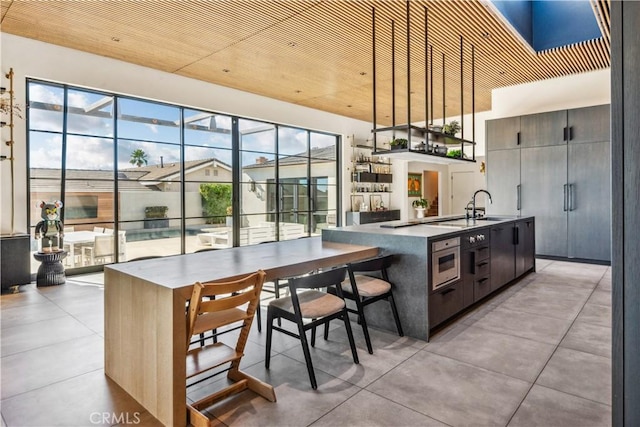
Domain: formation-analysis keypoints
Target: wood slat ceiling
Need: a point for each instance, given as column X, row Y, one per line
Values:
column 312, row 53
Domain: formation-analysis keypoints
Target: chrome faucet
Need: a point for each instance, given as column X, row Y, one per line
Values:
column 473, row 203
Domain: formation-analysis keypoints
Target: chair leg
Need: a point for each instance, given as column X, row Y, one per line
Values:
column 326, row 331
column 313, row 336
column 267, row 356
column 352, row 343
column 307, row 355
column 363, row 323
column 395, row 315
column 259, row 317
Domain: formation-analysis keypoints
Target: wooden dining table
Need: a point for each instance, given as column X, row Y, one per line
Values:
column 145, row 324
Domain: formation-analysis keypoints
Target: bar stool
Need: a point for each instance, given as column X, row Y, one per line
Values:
column 314, row 305
column 365, row 289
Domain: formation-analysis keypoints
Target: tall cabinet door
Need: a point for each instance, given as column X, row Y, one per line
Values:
column 503, row 134
column 503, row 179
column 590, row 201
column 590, row 124
column 543, row 129
column 544, row 195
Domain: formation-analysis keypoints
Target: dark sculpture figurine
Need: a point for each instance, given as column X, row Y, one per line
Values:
column 50, row 228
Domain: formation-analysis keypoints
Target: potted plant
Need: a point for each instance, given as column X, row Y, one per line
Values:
column 420, row 205
column 398, row 143
column 451, row 128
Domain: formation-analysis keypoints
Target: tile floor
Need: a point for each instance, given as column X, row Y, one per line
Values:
column 536, row 354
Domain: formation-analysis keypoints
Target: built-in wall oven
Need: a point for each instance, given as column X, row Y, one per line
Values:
column 445, row 262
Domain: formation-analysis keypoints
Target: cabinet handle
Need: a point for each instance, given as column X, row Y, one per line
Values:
column 571, row 193
column 516, row 235
column 473, row 262
column 570, row 133
column 518, row 191
column 566, row 194
column 518, row 139
column 448, row 291
column 483, row 280
column 482, row 264
column 565, row 132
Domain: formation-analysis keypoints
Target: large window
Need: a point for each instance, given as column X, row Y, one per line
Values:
column 140, row 178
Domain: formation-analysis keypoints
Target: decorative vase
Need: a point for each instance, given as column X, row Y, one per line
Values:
column 419, row 212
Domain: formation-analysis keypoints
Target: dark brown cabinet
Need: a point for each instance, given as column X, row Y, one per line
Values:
column 502, row 255
column 445, row 303
column 525, row 246
column 359, row 218
column 512, row 251
column 476, row 265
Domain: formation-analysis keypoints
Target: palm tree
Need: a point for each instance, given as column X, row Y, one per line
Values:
column 138, row 157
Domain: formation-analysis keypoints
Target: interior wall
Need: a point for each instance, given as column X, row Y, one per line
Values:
column 31, row 58
column 575, row 91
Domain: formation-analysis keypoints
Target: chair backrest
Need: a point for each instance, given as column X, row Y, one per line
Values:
column 108, row 230
column 374, row 264
column 103, row 246
column 98, row 229
column 234, row 295
column 69, row 229
column 319, row 280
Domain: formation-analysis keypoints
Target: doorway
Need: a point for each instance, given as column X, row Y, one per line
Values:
column 462, row 188
column 431, row 181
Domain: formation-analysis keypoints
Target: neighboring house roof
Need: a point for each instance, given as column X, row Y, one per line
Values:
column 145, row 178
column 318, row 155
column 172, row 170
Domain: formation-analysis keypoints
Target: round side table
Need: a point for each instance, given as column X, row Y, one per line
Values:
column 51, row 271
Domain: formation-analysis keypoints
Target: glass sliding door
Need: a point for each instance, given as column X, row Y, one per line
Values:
column 140, row 178
column 149, row 178
column 208, row 180
column 257, row 143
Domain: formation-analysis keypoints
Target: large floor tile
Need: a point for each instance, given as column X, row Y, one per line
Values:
column 545, row 329
column 581, row 374
column 452, row 392
column 589, row 338
column 23, row 315
column 366, row 409
column 545, row 304
column 596, row 315
column 604, row 285
column 28, row 295
column 600, row 297
column 507, row 354
column 547, row 407
column 43, row 366
column 298, row 404
column 334, row 355
column 560, row 290
column 562, row 279
column 79, row 401
column 40, row 334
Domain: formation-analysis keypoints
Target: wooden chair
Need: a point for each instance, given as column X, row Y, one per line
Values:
column 232, row 303
column 365, row 289
column 314, row 305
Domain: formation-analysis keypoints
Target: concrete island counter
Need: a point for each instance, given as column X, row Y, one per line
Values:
column 443, row 265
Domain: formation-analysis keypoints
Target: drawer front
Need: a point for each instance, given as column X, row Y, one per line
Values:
column 445, row 303
column 483, row 268
column 481, row 288
column 482, row 253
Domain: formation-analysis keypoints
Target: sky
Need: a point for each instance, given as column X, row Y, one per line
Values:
column 90, row 138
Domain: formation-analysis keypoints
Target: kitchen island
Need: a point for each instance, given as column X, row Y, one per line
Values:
column 443, row 265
